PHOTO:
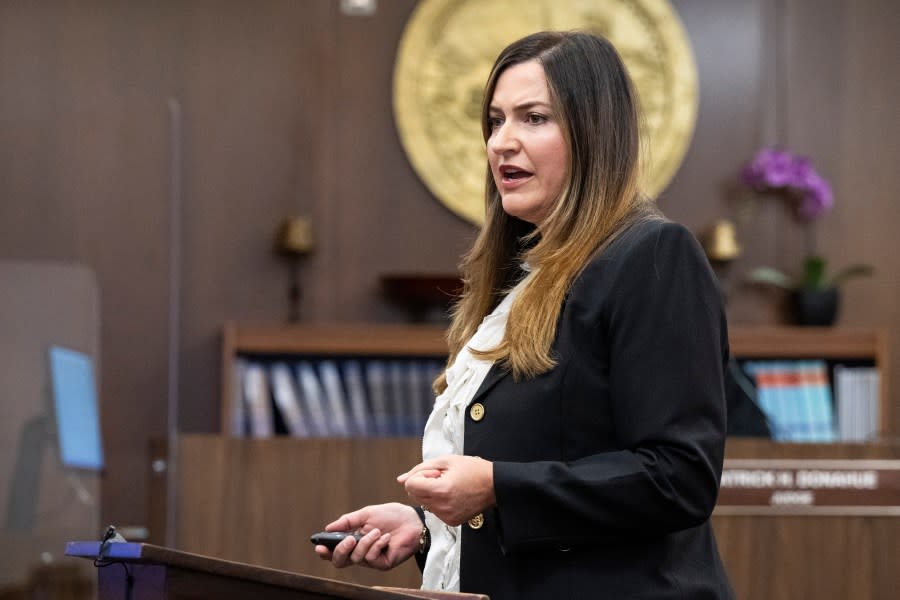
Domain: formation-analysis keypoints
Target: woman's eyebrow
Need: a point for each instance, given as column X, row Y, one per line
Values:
column 521, row 107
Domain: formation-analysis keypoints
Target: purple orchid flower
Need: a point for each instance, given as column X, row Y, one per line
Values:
column 773, row 168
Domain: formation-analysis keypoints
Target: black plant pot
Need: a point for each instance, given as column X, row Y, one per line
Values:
column 815, row 306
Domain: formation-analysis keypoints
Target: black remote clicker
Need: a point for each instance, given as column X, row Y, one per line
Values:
column 330, row 539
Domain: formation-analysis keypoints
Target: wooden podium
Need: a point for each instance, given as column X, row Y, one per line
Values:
column 147, row 572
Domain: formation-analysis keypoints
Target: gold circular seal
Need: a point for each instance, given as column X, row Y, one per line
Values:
column 446, row 54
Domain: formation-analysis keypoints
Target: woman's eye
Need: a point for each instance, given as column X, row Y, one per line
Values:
column 535, row 118
column 494, row 123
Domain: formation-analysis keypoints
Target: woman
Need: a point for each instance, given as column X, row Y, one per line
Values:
column 576, row 443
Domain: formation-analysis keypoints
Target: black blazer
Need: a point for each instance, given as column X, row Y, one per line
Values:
column 606, row 468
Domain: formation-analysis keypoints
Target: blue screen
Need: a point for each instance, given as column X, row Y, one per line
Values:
column 77, row 415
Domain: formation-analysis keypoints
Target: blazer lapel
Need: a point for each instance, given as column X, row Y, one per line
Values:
column 495, row 374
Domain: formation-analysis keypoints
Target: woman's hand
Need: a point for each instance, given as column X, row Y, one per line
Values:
column 391, row 535
column 453, row 488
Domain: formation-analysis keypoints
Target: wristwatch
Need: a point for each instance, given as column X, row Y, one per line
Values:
column 425, row 535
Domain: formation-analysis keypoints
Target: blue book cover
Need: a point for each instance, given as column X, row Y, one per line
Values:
column 788, row 404
column 774, row 397
column 800, row 402
column 820, row 393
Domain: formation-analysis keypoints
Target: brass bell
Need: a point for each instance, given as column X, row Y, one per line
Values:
column 720, row 243
column 294, row 237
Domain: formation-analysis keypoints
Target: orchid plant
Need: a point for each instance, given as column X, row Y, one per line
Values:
column 773, row 169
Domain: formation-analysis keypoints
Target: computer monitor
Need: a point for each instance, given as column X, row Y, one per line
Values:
column 71, row 424
column 75, row 408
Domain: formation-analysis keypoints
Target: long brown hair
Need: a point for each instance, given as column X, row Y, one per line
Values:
column 595, row 101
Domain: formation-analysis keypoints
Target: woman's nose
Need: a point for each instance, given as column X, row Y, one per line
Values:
column 503, row 139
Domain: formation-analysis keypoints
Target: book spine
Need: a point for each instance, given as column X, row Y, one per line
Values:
column 376, row 378
column 334, row 395
column 259, row 403
column 362, row 418
column 285, row 394
column 313, row 398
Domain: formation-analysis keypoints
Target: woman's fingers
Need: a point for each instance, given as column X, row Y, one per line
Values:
column 429, row 468
column 363, row 546
column 349, row 522
column 374, row 555
column 422, row 485
column 424, row 474
column 340, row 556
column 338, row 525
column 464, row 488
column 425, row 491
column 389, row 536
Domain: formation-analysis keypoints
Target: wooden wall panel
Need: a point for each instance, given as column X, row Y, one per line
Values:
column 259, row 501
column 251, row 84
column 731, row 44
column 867, row 179
column 286, row 107
column 788, row 557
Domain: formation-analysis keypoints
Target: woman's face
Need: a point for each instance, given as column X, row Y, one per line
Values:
column 527, row 151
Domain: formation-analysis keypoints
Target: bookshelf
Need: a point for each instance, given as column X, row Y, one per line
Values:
column 867, row 346
column 339, row 340
column 858, row 345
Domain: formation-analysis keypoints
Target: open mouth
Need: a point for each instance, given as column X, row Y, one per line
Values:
column 514, row 173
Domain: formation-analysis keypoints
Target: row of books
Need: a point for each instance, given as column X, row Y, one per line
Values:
column 797, row 398
column 393, row 397
column 332, row 398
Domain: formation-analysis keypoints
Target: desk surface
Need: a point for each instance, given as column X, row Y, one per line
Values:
column 149, row 554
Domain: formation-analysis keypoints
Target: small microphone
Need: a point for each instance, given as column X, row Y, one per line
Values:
column 110, row 537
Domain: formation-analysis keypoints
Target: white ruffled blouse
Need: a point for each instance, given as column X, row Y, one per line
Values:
column 444, row 435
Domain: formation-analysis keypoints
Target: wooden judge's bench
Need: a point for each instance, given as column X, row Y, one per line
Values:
column 257, row 501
